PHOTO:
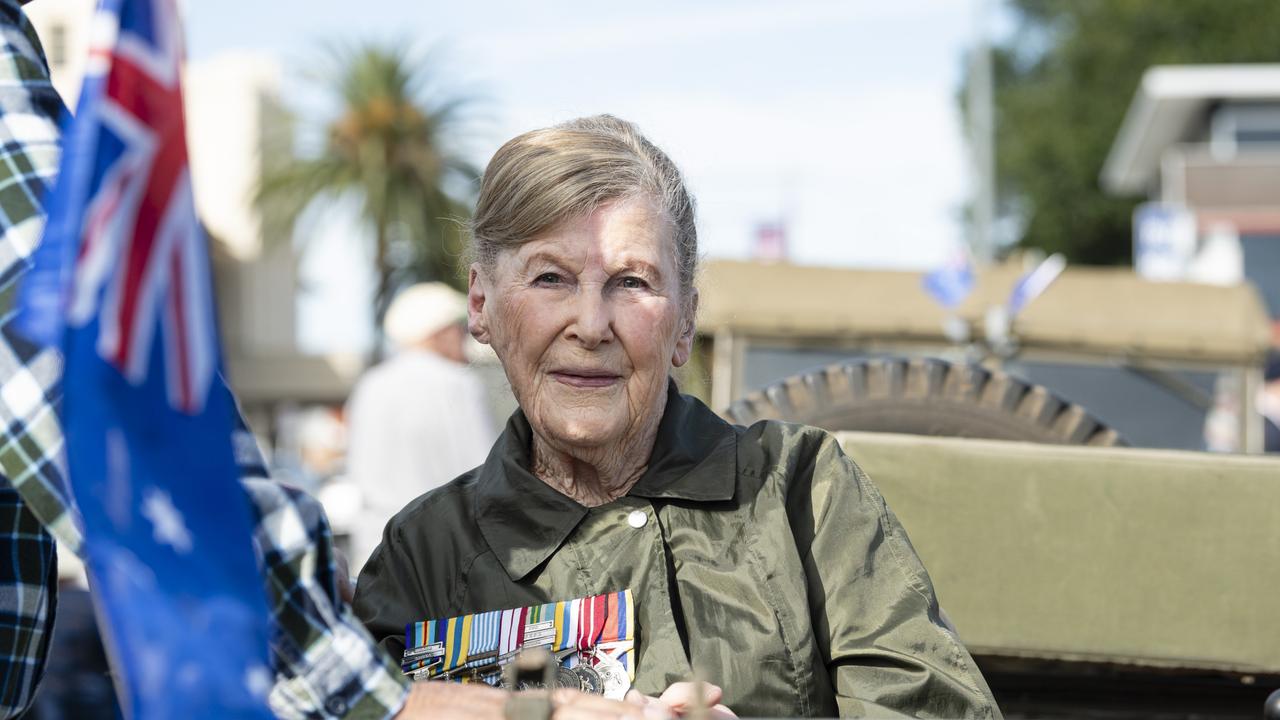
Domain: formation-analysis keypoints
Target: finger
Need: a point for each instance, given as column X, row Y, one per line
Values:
column 681, row 696
column 720, row 712
column 595, row 703
column 572, row 704
column 654, row 708
column 639, row 698
column 621, row 711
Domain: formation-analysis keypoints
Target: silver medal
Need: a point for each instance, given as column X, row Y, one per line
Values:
column 566, row 678
column 591, row 681
column 613, row 676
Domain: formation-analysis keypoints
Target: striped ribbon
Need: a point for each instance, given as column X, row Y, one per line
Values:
column 573, row 628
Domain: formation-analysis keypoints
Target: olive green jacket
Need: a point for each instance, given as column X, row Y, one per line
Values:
column 766, row 560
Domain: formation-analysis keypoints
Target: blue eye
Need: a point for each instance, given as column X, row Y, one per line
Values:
column 548, row 279
column 633, row 283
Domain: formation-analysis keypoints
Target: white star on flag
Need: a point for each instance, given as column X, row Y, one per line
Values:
column 258, row 680
column 169, row 528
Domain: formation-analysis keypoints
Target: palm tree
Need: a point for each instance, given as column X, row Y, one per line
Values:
column 393, row 149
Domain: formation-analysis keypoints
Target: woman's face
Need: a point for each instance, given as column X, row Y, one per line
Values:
column 587, row 321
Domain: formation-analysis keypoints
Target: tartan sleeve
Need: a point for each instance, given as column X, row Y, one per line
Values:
column 30, row 142
column 28, row 586
column 30, row 478
column 327, row 665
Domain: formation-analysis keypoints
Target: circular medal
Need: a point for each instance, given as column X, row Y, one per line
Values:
column 589, row 680
column 566, row 678
column 613, row 676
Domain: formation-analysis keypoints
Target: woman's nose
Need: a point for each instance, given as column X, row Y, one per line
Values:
column 592, row 321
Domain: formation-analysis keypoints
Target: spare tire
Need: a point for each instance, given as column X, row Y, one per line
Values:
column 925, row 396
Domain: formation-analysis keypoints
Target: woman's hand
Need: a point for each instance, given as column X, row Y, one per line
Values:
column 575, row 705
column 455, row 701
column 681, row 698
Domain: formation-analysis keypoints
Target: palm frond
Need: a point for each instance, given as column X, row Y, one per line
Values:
column 394, row 142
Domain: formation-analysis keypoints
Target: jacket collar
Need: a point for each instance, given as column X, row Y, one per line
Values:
column 524, row 520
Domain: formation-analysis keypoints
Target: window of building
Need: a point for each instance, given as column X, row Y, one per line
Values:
column 1244, row 124
column 56, row 47
column 1262, row 268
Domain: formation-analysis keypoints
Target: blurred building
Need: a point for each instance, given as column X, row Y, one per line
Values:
column 63, row 27
column 1202, row 143
column 233, row 111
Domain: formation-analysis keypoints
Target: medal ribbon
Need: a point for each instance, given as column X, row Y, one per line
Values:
column 442, row 647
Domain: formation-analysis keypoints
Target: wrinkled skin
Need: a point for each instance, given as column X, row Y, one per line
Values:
column 455, row 701
column 588, row 319
column 681, row 699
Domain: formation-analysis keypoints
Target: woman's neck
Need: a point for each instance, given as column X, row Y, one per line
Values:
column 596, row 476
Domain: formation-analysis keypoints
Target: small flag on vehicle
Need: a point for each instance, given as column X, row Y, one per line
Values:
column 1032, row 284
column 951, row 283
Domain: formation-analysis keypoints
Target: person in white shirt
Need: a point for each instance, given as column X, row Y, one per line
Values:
column 419, row 419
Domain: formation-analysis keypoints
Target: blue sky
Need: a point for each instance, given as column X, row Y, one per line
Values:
column 837, row 117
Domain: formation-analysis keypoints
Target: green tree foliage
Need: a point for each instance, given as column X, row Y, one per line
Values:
column 1063, row 81
column 394, row 147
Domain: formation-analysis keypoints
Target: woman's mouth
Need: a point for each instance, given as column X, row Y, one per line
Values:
column 586, row 378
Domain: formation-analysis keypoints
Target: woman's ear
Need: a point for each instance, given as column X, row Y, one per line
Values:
column 684, row 343
column 477, row 323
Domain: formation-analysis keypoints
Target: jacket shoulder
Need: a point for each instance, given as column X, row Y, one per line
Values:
column 774, row 447
column 441, row 519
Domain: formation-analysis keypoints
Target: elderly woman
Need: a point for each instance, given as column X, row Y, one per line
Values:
column 762, row 557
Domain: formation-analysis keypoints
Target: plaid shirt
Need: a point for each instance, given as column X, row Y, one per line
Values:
column 326, row 664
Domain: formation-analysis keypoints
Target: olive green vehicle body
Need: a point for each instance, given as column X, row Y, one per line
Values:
column 1156, row 558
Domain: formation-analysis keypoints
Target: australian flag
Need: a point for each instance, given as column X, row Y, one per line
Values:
column 951, row 283
column 122, row 281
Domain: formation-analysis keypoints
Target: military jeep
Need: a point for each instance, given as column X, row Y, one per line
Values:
column 1089, row 579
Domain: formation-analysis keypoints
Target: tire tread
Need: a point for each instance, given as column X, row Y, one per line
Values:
column 926, row 396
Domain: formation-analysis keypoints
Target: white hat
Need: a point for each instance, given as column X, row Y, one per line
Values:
column 420, row 310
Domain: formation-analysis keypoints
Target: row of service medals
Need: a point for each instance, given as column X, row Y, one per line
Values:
column 595, row 673
column 588, row 661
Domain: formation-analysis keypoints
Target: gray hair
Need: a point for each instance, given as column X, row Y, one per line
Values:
column 544, row 177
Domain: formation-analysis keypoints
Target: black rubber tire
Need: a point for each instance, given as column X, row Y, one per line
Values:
column 925, row 396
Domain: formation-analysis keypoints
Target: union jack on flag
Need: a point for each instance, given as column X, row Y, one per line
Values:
column 142, row 257
column 121, row 281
